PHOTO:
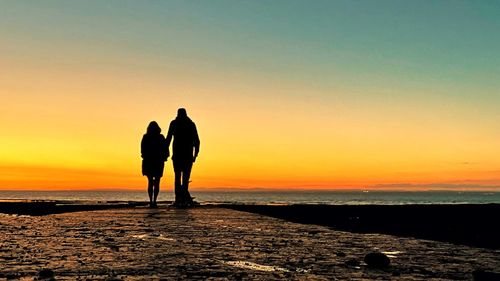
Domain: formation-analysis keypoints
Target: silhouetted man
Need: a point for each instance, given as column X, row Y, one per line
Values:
column 186, row 142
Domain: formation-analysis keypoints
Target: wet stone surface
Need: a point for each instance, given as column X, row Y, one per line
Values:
column 216, row 244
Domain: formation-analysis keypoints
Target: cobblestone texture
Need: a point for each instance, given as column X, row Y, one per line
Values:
column 216, row 244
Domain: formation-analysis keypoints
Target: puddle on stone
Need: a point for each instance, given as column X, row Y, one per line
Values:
column 301, row 270
column 392, row 254
column 152, row 236
column 14, row 215
column 255, row 266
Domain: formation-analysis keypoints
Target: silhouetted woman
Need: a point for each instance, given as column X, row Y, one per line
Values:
column 154, row 153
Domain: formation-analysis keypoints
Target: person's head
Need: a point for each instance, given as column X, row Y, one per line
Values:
column 181, row 112
column 153, row 128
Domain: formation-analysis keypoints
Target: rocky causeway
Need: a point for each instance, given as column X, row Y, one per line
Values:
column 215, row 243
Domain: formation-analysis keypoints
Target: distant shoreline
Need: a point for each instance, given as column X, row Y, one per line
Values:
column 269, row 197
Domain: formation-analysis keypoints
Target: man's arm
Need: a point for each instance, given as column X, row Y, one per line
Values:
column 196, row 142
column 169, row 137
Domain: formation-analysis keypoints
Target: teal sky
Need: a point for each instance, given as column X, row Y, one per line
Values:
column 454, row 42
column 450, row 47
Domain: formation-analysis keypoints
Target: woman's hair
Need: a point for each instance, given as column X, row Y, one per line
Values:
column 153, row 128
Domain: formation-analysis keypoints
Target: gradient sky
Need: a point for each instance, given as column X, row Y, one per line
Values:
column 285, row 94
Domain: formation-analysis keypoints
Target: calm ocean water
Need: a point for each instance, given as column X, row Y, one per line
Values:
column 274, row 197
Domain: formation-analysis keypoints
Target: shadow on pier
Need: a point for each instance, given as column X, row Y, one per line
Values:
column 42, row 208
column 468, row 224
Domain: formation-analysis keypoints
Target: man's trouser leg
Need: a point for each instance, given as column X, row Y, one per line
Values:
column 177, row 181
column 186, row 173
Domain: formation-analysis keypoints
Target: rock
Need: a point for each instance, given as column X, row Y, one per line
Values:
column 377, row 260
column 482, row 275
column 341, row 254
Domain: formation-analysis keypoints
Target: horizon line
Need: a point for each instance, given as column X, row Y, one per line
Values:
column 261, row 189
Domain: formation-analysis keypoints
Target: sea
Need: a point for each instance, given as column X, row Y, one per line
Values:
column 355, row 197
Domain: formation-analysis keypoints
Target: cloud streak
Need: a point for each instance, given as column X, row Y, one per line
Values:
column 439, row 186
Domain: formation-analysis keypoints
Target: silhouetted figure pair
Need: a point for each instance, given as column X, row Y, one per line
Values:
column 185, row 148
column 154, row 153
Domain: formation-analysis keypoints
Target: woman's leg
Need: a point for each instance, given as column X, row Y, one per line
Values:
column 156, row 188
column 150, row 189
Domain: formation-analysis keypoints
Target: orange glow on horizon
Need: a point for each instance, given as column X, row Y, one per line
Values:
column 54, row 178
column 73, row 118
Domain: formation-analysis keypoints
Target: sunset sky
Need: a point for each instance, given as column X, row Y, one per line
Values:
column 285, row 94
